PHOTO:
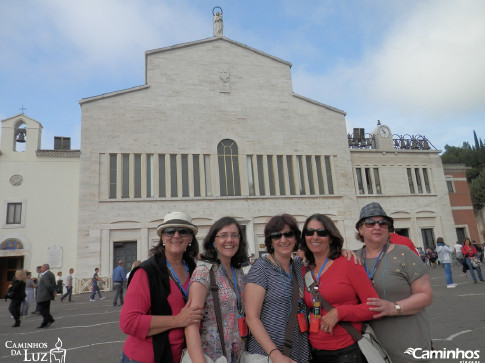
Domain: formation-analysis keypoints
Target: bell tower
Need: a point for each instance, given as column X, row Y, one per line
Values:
column 20, row 134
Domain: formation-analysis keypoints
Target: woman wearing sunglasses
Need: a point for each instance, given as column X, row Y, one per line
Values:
column 225, row 251
column 156, row 308
column 403, row 285
column 342, row 283
column 269, row 294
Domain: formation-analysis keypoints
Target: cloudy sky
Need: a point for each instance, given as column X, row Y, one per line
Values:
column 416, row 65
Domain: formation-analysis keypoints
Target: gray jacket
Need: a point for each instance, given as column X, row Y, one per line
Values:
column 46, row 287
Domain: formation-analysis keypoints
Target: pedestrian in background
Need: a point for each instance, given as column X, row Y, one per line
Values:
column 118, row 281
column 68, row 286
column 30, row 287
column 444, row 255
column 17, row 296
column 94, row 286
column 46, row 292
column 36, row 280
column 59, row 282
column 459, row 254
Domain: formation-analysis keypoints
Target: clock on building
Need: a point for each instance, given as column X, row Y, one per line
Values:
column 384, row 131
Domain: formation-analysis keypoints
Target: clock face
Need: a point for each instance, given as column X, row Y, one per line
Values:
column 384, row 131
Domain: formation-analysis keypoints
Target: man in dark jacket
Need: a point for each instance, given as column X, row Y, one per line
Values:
column 46, row 291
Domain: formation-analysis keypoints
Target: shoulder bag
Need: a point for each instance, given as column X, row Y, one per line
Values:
column 369, row 345
column 217, row 307
column 475, row 261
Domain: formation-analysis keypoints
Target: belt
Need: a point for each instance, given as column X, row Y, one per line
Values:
column 118, row 282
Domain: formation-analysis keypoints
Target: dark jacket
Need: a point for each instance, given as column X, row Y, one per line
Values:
column 46, row 287
column 18, row 290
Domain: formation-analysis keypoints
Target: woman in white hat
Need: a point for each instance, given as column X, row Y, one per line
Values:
column 403, row 285
column 156, row 308
column 225, row 250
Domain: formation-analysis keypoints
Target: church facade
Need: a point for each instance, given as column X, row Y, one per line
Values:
column 215, row 130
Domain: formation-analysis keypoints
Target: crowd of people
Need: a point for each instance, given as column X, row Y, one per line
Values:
column 302, row 301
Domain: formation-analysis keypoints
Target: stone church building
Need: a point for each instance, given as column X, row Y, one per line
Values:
column 217, row 130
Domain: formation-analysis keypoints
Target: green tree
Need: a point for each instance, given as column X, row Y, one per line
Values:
column 474, row 158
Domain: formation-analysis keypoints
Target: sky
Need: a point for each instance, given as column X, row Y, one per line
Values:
column 415, row 65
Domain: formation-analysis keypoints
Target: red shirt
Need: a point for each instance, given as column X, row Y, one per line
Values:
column 468, row 251
column 397, row 239
column 346, row 286
column 135, row 319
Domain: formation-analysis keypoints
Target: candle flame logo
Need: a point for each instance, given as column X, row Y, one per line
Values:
column 58, row 344
column 58, row 354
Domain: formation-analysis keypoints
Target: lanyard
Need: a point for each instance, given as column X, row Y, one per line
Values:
column 184, row 292
column 383, row 251
column 234, row 285
column 321, row 270
column 287, row 290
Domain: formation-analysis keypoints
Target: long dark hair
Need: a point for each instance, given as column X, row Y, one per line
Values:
column 210, row 252
column 189, row 255
column 276, row 224
column 336, row 239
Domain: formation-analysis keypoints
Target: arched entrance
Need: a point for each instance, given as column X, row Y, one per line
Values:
column 11, row 259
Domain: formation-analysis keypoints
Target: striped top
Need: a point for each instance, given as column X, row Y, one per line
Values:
column 276, row 307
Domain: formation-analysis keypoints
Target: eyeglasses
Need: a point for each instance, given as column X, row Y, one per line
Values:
column 228, row 235
column 321, row 232
column 383, row 223
column 278, row 235
column 183, row 232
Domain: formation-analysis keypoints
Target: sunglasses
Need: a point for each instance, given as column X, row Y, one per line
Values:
column 321, row 232
column 383, row 223
column 278, row 235
column 183, row 232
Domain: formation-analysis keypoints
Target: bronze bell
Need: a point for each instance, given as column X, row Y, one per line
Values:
column 20, row 135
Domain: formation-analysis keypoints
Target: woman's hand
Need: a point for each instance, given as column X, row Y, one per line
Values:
column 328, row 321
column 349, row 254
column 383, row 307
column 278, row 357
column 189, row 315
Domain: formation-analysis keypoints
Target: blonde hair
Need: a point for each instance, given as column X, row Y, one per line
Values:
column 21, row 275
column 135, row 263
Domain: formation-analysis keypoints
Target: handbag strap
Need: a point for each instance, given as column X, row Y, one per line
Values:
column 353, row 332
column 288, row 344
column 217, row 307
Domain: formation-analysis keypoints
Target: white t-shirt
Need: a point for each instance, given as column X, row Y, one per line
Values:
column 457, row 247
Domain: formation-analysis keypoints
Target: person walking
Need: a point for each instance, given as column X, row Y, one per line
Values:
column 68, row 293
column 46, row 291
column 30, row 287
column 94, row 286
column 444, row 255
column 118, row 281
column 17, row 296
column 36, row 280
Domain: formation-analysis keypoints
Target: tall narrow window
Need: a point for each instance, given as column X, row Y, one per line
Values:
column 291, row 175
column 410, row 181
column 259, row 161
column 173, row 175
column 309, row 168
column 281, row 174
column 113, row 170
column 301, row 179
column 250, row 174
column 368, row 181
column 185, row 176
column 162, row 184
column 228, row 168
column 272, row 189
column 125, row 167
column 195, row 161
column 207, row 169
column 426, row 180
column 328, row 170
column 449, row 184
column 377, row 180
column 149, row 175
column 137, row 176
column 14, row 213
column 418, row 180
column 318, row 165
column 360, row 184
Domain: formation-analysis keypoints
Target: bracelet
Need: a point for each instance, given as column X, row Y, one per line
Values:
column 271, row 351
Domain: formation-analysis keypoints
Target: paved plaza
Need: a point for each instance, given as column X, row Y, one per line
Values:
column 89, row 331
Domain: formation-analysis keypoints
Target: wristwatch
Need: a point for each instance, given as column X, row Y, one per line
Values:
column 398, row 309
